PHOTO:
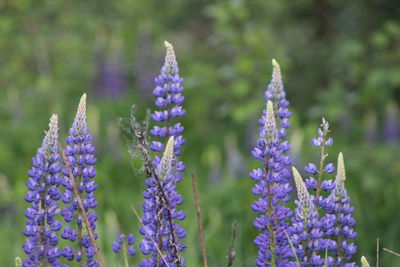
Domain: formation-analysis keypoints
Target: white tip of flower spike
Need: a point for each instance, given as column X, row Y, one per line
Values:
column 341, row 171
column 364, row 262
column 276, row 72
column 165, row 165
column 276, row 66
column 53, row 125
column 302, row 192
column 51, row 138
column 270, row 123
column 80, row 117
column 81, row 113
column 170, row 56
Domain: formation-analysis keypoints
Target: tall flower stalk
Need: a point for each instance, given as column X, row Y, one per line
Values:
column 323, row 238
column 161, row 197
column 79, row 163
column 44, row 180
column 272, row 180
column 305, row 232
column 342, row 209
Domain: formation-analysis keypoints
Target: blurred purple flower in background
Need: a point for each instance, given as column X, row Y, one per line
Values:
column 110, row 80
column 391, row 127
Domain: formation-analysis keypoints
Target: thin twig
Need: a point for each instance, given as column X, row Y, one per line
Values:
column 82, row 208
column 199, row 220
column 377, row 252
column 391, row 251
column 152, row 240
column 231, row 254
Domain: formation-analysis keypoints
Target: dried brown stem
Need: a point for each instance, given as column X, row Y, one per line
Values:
column 199, row 220
column 391, row 251
column 231, row 254
column 377, row 252
column 82, row 209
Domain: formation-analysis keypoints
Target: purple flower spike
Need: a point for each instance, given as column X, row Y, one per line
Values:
column 44, row 179
column 80, row 155
column 305, row 232
column 156, row 221
column 272, row 180
column 324, row 223
column 318, row 179
column 344, row 221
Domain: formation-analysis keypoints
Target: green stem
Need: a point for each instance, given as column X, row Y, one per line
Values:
column 270, row 225
column 125, row 253
column 339, row 240
column 80, row 226
column 80, row 239
column 320, row 172
column 42, row 205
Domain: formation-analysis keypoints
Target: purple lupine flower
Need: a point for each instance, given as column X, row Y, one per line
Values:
column 110, row 80
column 80, row 155
column 126, row 244
column 276, row 93
column 272, row 181
column 317, row 179
column 273, row 190
column 342, row 211
column 319, row 182
column 305, row 232
column 44, row 180
column 391, row 128
column 156, row 224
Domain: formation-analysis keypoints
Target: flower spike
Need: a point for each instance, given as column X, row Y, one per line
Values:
column 165, row 166
column 302, row 192
column 43, row 184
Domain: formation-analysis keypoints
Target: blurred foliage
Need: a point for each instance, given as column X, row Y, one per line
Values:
column 340, row 59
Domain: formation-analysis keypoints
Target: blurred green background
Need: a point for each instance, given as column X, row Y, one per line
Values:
column 340, row 59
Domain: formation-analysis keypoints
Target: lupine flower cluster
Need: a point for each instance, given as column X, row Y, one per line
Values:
column 73, row 168
column 80, row 156
column 50, row 202
column 320, row 229
column 159, row 225
column 342, row 210
column 43, row 185
column 272, row 180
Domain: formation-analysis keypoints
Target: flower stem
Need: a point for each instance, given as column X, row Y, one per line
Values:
column 320, row 172
column 43, row 221
column 80, row 239
column 271, row 230
column 125, row 253
column 82, row 208
column 339, row 239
